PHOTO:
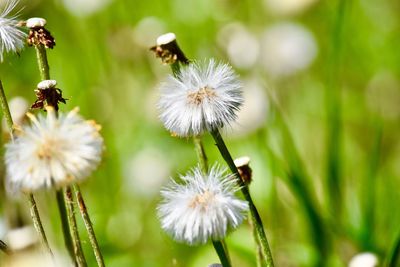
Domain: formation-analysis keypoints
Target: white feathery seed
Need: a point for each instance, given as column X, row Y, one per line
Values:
column 12, row 39
column 204, row 96
column 53, row 151
column 203, row 207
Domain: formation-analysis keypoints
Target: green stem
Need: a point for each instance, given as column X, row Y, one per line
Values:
column 43, row 64
column 4, row 247
column 259, row 252
column 6, row 110
column 73, row 228
column 201, row 154
column 64, row 223
column 89, row 226
column 33, row 207
column 38, row 223
column 255, row 217
column 222, row 253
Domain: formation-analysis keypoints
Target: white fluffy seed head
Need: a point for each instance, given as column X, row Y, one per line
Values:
column 35, row 22
column 203, row 207
column 204, row 96
column 53, row 151
column 46, row 84
column 12, row 39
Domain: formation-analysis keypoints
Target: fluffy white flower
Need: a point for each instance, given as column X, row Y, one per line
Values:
column 11, row 38
column 53, row 151
column 203, row 97
column 203, row 207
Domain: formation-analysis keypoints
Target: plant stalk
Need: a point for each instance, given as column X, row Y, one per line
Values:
column 4, row 247
column 73, row 228
column 89, row 226
column 222, row 253
column 255, row 217
column 43, row 64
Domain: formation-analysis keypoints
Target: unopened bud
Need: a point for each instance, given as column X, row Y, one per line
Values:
column 242, row 164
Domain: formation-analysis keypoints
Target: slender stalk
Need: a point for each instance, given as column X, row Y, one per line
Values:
column 89, row 227
column 43, row 64
column 4, row 247
column 6, row 110
column 259, row 252
column 258, row 225
column 222, row 253
column 64, row 223
column 73, row 228
column 201, row 154
column 33, row 207
column 38, row 223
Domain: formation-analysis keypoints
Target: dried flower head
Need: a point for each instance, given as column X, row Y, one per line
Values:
column 53, row 151
column 12, row 39
column 203, row 207
column 204, row 96
column 38, row 34
column 168, row 49
column 243, row 166
column 48, row 94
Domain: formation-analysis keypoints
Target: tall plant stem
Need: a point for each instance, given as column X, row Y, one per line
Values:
column 393, row 257
column 222, row 253
column 255, row 217
column 201, row 154
column 64, row 224
column 73, row 228
column 43, row 64
column 89, row 226
column 37, row 222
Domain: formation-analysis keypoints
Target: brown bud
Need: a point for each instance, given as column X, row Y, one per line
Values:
column 39, row 35
column 168, row 50
column 242, row 164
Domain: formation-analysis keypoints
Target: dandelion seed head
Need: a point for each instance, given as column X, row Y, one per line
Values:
column 52, row 151
column 203, row 207
column 204, row 96
column 12, row 39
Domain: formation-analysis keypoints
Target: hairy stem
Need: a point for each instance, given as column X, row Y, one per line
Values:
column 43, row 64
column 89, row 226
column 73, row 228
column 201, row 154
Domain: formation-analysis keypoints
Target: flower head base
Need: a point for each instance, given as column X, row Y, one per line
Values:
column 203, row 97
column 53, row 151
column 12, row 39
column 203, row 207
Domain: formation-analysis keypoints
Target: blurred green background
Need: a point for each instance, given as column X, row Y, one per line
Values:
column 320, row 122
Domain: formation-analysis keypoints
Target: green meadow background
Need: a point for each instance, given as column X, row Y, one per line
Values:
column 320, row 122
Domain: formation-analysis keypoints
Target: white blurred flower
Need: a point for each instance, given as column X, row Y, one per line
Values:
column 204, row 96
column 241, row 45
column 254, row 111
column 365, row 259
column 21, row 238
column 203, row 207
column 35, row 258
column 12, row 39
column 140, row 167
column 18, row 108
column 85, row 8
column 287, row 48
column 53, row 151
column 287, row 7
